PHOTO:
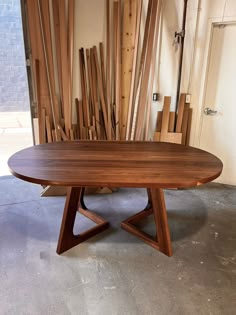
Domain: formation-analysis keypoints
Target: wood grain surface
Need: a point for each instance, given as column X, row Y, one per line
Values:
column 115, row 164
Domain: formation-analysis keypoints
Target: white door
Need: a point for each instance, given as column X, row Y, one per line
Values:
column 218, row 130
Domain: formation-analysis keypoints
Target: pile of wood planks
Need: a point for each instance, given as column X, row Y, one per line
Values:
column 117, row 86
column 50, row 29
column 172, row 127
column 116, row 78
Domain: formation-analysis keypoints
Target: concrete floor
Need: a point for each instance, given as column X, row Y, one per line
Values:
column 116, row 273
column 15, row 135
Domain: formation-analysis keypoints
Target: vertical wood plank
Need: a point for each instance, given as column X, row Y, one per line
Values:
column 180, row 112
column 128, row 44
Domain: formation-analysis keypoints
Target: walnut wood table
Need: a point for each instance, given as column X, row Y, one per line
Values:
column 150, row 165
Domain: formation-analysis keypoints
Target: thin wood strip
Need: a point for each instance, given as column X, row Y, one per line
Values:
column 171, row 126
column 95, row 92
column 127, row 56
column 136, row 104
column 115, row 19
column 145, row 37
column 56, row 23
column 83, row 89
column 70, row 47
column 108, row 72
column 49, row 130
column 140, row 72
column 38, row 98
column 101, row 49
column 153, row 68
column 185, row 123
column 180, row 112
column 146, row 73
column 190, row 115
column 136, row 46
column 64, row 66
column 118, row 70
column 81, row 123
column 100, row 88
column 44, row 124
column 90, row 84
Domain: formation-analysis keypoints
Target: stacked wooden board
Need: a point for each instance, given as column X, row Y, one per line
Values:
column 116, row 78
column 172, row 127
column 50, row 28
column 117, row 92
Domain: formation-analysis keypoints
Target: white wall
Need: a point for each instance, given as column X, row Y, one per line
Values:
column 90, row 30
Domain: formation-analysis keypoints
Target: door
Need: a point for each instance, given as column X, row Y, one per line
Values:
column 218, row 129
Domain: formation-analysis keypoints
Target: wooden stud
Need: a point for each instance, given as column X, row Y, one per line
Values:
column 39, row 103
column 101, row 49
column 64, row 66
column 185, row 123
column 180, row 112
column 190, row 115
column 108, row 73
column 100, row 88
column 146, row 71
column 70, row 48
column 56, row 24
column 153, row 67
column 128, row 42
column 118, row 70
column 131, row 97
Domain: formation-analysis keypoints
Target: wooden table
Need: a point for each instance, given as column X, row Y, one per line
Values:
column 150, row 165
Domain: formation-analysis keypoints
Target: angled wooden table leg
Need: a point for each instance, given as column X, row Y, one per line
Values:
column 156, row 206
column 67, row 239
column 160, row 216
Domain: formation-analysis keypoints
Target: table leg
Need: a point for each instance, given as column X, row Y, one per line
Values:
column 161, row 241
column 67, row 239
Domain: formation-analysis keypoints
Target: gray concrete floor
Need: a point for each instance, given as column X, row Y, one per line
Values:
column 116, row 273
column 15, row 135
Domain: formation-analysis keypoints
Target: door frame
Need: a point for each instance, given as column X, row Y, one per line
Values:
column 212, row 22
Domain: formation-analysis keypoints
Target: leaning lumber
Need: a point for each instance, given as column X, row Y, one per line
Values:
column 146, row 71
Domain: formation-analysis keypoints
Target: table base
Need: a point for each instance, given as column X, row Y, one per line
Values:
column 156, row 206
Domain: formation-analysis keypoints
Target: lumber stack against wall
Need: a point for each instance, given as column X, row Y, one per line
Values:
column 116, row 78
column 117, row 86
column 52, row 60
column 172, row 127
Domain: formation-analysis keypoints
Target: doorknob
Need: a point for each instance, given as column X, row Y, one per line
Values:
column 209, row 111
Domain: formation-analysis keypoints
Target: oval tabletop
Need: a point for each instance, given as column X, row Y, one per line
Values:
column 115, row 164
